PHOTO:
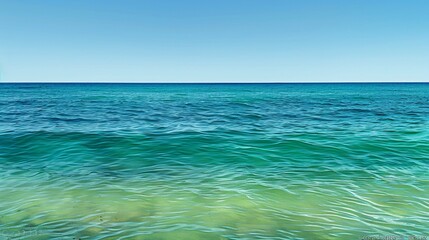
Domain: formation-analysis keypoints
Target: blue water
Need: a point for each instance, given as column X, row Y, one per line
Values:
column 213, row 161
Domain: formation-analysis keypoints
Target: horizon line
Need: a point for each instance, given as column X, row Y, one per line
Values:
column 213, row 82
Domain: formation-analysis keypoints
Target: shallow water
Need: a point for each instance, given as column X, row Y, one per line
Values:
column 267, row 161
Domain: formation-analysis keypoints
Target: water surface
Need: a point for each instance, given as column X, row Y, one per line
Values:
column 213, row 161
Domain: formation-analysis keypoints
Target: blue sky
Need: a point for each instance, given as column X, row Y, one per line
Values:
column 214, row 41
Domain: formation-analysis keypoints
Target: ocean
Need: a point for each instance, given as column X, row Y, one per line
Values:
column 214, row 161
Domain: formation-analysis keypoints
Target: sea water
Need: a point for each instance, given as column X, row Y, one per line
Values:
column 214, row 161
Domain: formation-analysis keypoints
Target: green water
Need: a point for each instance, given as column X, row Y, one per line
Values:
column 292, row 161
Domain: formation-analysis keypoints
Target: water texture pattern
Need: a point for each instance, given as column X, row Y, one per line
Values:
column 206, row 161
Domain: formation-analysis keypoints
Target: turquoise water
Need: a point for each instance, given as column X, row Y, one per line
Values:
column 206, row 161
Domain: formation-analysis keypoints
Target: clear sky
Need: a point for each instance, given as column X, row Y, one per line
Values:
column 214, row 41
